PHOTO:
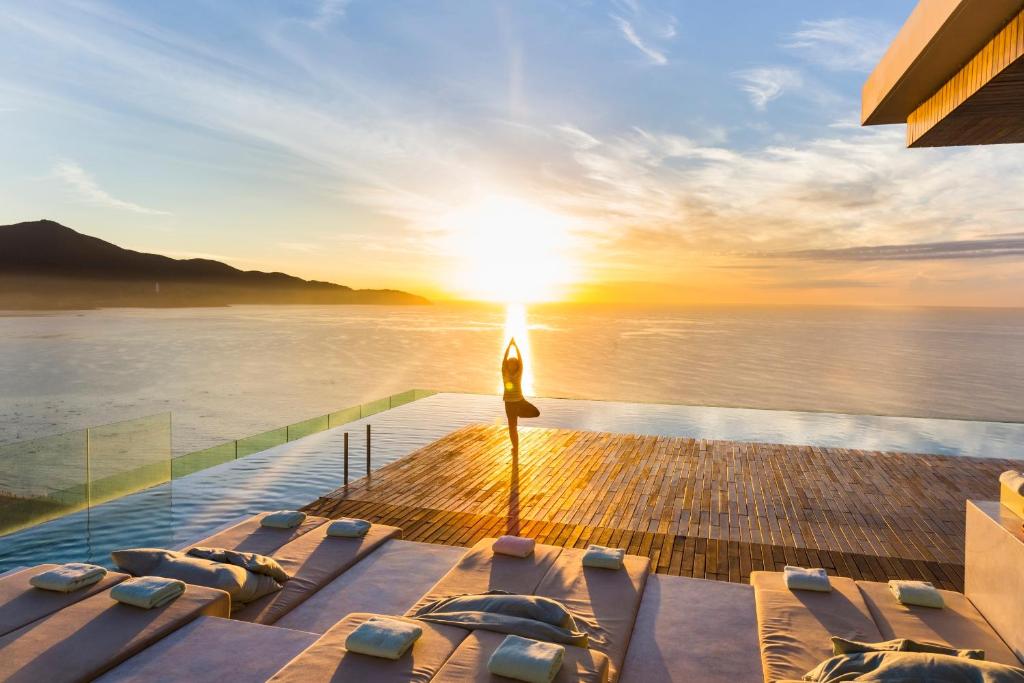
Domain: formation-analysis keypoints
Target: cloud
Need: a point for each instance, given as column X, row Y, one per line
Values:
column 327, row 12
column 656, row 56
column 844, row 44
column 1000, row 246
column 764, row 84
column 824, row 283
column 79, row 180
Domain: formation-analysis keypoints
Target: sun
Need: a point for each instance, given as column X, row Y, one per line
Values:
column 510, row 251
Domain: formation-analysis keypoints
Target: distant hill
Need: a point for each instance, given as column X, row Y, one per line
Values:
column 46, row 265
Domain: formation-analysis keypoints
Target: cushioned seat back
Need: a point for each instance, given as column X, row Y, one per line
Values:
column 481, row 570
column 312, row 561
column 21, row 603
column 958, row 624
column 794, row 627
column 327, row 660
column 83, row 640
column 249, row 537
column 469, row 662
column 604, row 601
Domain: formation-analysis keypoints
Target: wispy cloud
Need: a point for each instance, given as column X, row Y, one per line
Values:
column 629, row 32
column 327, row 12
column 1000, row 246
column 844, row 44
column 88, row 189
column 766, row 83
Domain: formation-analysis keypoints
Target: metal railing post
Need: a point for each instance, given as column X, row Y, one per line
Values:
column 346, row 459
column 88, row 467
column 367, row 450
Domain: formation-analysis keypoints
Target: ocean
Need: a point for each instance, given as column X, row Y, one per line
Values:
column 225, row 373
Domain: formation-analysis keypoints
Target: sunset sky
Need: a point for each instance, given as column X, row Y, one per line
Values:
column 673, row 152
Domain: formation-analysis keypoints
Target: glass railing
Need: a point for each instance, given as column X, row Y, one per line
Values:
column 53, row 476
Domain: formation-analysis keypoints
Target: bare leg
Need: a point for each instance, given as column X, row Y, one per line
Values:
column 513, row 426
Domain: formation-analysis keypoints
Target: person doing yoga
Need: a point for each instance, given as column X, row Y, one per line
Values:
column 516, row 406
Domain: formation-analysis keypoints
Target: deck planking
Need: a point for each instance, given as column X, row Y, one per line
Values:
column 703, row 508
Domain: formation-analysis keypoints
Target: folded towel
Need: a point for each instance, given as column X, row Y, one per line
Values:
column 383, row 637
column 605, row 558
column 516, row 546
column 801, row 579
column 283, row 519
column 917, row 593
column 526, row 660
column 257, row 564
column 348, row 528
column 147, row 591
column 1013, row 480
column 68, row 577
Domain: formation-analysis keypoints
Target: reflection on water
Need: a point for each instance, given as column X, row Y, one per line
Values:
column 230, row 372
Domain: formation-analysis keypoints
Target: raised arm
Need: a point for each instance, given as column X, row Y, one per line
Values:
column 508, row 348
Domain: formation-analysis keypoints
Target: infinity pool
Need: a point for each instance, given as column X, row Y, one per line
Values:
column 296, row 473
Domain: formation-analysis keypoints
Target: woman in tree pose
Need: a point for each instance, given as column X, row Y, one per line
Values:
column 515, row 405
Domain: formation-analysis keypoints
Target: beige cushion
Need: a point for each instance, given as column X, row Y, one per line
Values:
column 604, row 601
column 313, row 561
column 794, row 627
column 957, row 625
column 469, row 662
column 241, row 584
column 481, row 570
column 21, row 603
column 249, row 537
column 328, row 660
column 93, row 635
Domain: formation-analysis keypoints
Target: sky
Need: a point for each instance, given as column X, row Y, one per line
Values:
column 685, row 152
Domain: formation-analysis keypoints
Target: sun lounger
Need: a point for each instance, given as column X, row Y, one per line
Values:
column 83, row 640
column 958, row 624
column 327, row 660
column 794, row 627
column 388, row 581
column 249, row 537
column 468, row 664
column 694, row 630
column 481, row 570
column 21, row 603
column 313, row 560
column 605, row 602
column 213, row 649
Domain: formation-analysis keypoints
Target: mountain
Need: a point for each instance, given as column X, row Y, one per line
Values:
column 46, row 265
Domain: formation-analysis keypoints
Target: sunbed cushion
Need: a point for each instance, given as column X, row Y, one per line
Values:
column 794, row 627
column 481, row 570
column 241, row 584
column 604, row 602
column 313, row 560
column 93, row 635
column 328, row 660
column 21, row 603
column 249, row 537
column 469, row 662
column 959, row 624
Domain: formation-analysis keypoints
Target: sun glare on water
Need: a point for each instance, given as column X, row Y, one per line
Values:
column 510, row 251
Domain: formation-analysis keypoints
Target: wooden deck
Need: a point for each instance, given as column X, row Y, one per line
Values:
column 709, row 509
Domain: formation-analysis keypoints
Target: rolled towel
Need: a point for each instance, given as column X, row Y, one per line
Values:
column 605, row 558
column 516, row 546
column 802, row 579
column 1013, row 480
column 68, row 577
column 283, row 519
column 383, row 637
column 919, row 593
column 526, row 660
column 348, row 528
column 147, row 592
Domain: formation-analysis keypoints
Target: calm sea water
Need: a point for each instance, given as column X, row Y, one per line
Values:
column 229, row 372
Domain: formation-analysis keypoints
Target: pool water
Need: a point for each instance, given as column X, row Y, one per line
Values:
column 296, row 473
